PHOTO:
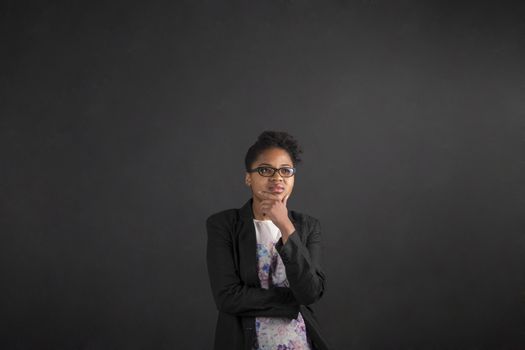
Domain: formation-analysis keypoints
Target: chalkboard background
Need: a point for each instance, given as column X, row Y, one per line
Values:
column 125, row 124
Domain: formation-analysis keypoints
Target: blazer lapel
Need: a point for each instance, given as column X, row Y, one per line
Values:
column 248, row 244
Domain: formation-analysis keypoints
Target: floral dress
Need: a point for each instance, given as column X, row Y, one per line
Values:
column 274, row 333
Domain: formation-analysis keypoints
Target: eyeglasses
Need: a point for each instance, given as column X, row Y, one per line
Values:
column 268, row 171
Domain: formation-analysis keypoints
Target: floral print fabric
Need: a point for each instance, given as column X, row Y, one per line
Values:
column 275, row 333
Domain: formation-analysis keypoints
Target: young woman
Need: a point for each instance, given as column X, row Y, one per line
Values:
column 264, row 260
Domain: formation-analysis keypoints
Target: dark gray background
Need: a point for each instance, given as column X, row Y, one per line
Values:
column 124, row 125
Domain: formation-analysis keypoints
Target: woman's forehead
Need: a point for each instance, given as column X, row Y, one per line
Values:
column 274, row 156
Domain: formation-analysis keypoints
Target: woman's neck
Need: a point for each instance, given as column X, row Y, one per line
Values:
column 257, row 214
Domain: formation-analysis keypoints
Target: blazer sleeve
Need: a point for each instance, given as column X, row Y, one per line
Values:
column 302, row 263
column 230, row 293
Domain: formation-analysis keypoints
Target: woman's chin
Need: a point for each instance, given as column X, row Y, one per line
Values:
column 281, row 195
column 278, row 195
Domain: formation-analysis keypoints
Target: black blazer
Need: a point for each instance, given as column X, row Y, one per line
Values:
column 232, row 268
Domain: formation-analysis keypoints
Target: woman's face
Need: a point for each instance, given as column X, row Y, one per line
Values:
column 277, row 184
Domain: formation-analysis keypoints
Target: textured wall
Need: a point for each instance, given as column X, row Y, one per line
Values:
column 124, row 125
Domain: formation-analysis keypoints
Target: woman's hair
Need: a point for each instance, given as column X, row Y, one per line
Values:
column 271, row 139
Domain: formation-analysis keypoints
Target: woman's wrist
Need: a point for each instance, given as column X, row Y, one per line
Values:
column 286, row 230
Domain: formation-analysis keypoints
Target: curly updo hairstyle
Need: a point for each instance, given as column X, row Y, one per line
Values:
column 271, row 139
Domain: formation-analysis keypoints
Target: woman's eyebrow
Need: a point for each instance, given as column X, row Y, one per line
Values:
column 272, row 165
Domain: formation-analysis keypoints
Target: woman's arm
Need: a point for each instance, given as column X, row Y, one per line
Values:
column 302, row 263
column 230, row 293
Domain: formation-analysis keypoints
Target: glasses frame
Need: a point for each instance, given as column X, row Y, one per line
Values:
column 274, row 170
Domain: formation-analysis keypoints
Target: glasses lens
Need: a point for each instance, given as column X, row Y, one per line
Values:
column 286, row 172
column 264, row 171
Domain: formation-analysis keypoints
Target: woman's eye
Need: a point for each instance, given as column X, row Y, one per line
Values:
column 265, row 170
column 287, row 171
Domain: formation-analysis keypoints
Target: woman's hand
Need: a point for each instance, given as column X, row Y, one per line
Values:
column 276, row 210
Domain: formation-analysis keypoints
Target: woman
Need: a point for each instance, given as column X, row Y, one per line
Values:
column 263, row 259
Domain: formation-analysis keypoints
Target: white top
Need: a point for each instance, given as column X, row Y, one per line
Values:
column 275, row 332
column 266, row 230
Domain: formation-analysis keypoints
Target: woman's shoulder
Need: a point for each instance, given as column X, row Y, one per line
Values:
column 226, row 215
column 231, row 216
column 305, row 218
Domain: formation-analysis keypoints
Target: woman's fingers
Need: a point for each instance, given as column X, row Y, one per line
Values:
column 271, row 201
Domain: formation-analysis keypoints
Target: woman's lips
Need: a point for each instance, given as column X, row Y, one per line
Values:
column 276, row 189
